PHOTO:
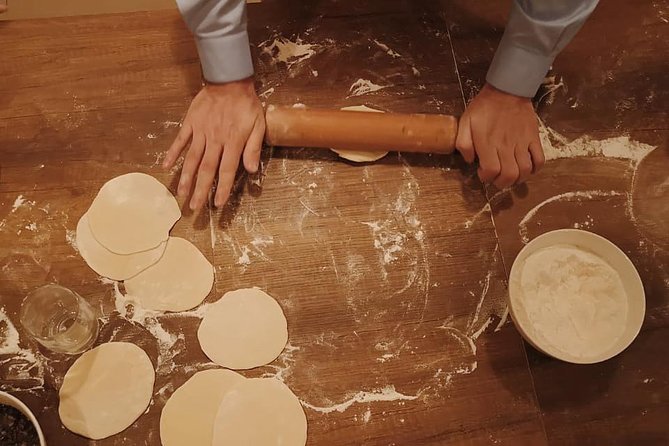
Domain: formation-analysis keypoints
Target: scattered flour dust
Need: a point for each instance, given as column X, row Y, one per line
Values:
column 282, row 365
column 387, row 49
column 364, row 86
column 71, row 239
column 574, row 300
column 567, row 196
column 281, row 49
column 388, row 242
column 387, row 393
column 254, row 248
column 557, row 146
column 400, row 226
column 485, row 209
column 130, row 309
column 17, row 364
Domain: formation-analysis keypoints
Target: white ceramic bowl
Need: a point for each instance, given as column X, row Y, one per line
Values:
column 10, row 400
column 607, row 251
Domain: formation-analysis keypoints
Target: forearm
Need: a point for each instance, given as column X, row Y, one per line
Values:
column 536, row 32
column 219, row 27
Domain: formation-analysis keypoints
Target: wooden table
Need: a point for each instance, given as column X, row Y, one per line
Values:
column 392, row 275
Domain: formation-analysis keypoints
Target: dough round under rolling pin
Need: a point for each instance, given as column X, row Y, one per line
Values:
column 360, row 156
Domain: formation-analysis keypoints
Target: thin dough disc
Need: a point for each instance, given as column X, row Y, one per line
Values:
column 188, row 416
column 106, row 263
column 106, row 390
column 360, row 156
column 132, row 213
column 260, row 411
column 180, row 280
column 243, row 329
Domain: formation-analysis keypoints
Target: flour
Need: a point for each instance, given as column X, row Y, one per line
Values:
column 557, row 146
column 567, row 196
column 129, row 308
column 387, row 393
column 71, row 239
column 574, row 300
column 267, row 93
column 287, row 51
column 387, row 49
column 387, row 241
column 485, row 209
column 20, row 202
column 364, row 86
column 21, row 364
column 282, row 365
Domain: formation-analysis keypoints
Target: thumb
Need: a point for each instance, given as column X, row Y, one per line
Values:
column 464, row 142
column 253, row 147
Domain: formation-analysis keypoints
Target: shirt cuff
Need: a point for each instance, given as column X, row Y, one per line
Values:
column 518, row 71
column 225, row 58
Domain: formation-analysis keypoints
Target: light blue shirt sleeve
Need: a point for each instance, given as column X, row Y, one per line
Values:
column 219, row 27
column 536, row 32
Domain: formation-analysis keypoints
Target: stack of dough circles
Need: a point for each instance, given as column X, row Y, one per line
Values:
column 106, row 390
column 181, row 280
column 360, row 156
column 132, row 213
column 188, row 416
column 221, row 407
column 110, row 265
column 260, row 411
column 244, row 329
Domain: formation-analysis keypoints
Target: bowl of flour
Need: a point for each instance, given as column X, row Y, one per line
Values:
column 576, row 296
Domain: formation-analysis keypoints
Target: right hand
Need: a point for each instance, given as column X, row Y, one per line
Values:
column 4, row 6
column 502, row 131
column 223, row 121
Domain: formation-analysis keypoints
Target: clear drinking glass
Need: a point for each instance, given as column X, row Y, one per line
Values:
column 59, row 319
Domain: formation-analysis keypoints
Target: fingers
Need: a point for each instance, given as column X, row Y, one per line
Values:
column 509, row 171
column 191, row 163
column 463, row 141
column 227, row 170
column 206, row 174
column 489, row 163
column 178, row 145
column 537, row 153
column 524, row 162
column 253, row 147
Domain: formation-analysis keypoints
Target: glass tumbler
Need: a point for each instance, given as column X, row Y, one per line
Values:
column 59, row 319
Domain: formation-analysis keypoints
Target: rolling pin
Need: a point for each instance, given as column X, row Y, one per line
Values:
column 355, row 130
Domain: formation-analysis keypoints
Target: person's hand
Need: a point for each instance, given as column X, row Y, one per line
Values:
column 502, row 131
column 3, row 6
column 223, row 121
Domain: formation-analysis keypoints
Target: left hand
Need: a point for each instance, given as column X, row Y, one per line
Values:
column 223, row 121
column 502, row 131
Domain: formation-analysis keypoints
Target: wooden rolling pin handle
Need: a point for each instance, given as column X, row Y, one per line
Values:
column 353, row 130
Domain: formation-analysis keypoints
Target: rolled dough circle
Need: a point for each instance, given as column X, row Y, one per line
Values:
column 132, row 213
column 110, row 265
column 260, row 411
column 106, row 390
column 360, row 156
column 180, row 280
column 244, row 329
column 188, row 416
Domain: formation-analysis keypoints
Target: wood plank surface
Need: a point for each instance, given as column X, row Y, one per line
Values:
column 609, row 87
column 392, row 275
